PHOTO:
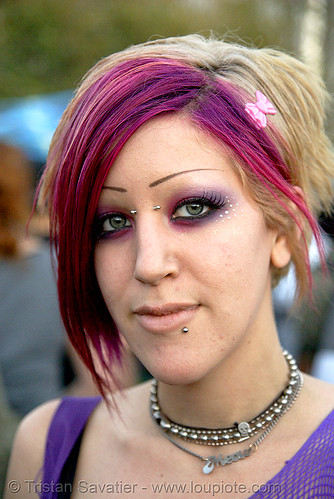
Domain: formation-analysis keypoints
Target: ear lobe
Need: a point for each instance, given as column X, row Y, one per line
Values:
column 280, row 253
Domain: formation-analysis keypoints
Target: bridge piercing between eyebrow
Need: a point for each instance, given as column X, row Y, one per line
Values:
column 133, row 212
column 157, row 207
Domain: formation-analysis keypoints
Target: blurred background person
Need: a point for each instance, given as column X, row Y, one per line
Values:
column 9, row 421
column 31, row 335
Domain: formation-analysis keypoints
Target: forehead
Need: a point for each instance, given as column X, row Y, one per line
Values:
column 163, row 149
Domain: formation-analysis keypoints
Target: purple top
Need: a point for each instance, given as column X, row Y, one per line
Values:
column 65, row 429
column 308, row 474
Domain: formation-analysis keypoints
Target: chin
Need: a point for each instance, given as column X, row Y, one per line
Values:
column 177, row 374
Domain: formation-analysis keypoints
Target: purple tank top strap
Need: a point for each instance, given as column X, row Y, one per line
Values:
column 66, row 426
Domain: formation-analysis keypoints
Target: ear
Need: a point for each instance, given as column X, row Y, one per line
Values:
column 280, row 253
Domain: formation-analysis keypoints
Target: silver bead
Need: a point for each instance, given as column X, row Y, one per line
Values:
column 165, row 424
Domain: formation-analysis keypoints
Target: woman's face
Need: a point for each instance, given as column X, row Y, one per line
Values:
column 181, row 245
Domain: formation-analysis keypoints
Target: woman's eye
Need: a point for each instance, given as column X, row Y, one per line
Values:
column 113, row 223
column 192, row 209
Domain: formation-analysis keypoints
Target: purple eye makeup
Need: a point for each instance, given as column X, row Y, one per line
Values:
column 198, row 207
column 229, row 211
column 191, row 209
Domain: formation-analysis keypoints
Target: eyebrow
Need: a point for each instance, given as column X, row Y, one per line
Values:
column 112, row 188
column 168, row 177
column 160, row 180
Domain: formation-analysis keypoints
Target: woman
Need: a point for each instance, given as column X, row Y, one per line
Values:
column 184, row 178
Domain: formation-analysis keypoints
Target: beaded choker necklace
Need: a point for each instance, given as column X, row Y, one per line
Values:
column 244, row 430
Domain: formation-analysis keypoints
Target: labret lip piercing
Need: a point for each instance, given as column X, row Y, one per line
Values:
column 185, row 330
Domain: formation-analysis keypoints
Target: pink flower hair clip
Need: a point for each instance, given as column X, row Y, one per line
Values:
column 259, row 109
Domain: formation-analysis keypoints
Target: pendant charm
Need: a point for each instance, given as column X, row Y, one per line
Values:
column 213, row 461
column 244, row 429
column 208, row 467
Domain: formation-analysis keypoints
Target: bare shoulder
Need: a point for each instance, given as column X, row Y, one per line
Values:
column 321, row 388
column 126, row 411
column 28, row 449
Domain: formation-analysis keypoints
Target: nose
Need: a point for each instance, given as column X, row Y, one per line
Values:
column 155, row 256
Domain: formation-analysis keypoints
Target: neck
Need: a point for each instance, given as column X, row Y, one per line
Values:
column 245, row 383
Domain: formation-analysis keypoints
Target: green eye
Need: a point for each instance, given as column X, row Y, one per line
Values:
column 198, row 207
column 191, row 209
column 194, row 208
column 115, row 222
column 112, row 223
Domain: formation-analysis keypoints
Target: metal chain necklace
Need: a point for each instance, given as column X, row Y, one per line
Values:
column 232, row 435
column 291, row 393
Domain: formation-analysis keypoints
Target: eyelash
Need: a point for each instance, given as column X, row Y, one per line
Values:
column 214, row 201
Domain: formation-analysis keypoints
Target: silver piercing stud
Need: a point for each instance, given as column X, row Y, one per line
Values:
column 133, row 212
column 185, row 330
column 157, row 207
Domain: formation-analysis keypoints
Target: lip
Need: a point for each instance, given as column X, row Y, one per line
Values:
column 166, row 317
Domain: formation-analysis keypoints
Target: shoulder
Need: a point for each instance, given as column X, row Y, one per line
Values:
column 122, row 415
column 28, row 449
column 317, row 403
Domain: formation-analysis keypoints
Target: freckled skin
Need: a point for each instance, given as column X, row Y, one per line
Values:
column 219, row 263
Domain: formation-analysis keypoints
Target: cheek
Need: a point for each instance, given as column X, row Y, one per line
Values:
column 234, row 253
column 111, row 272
